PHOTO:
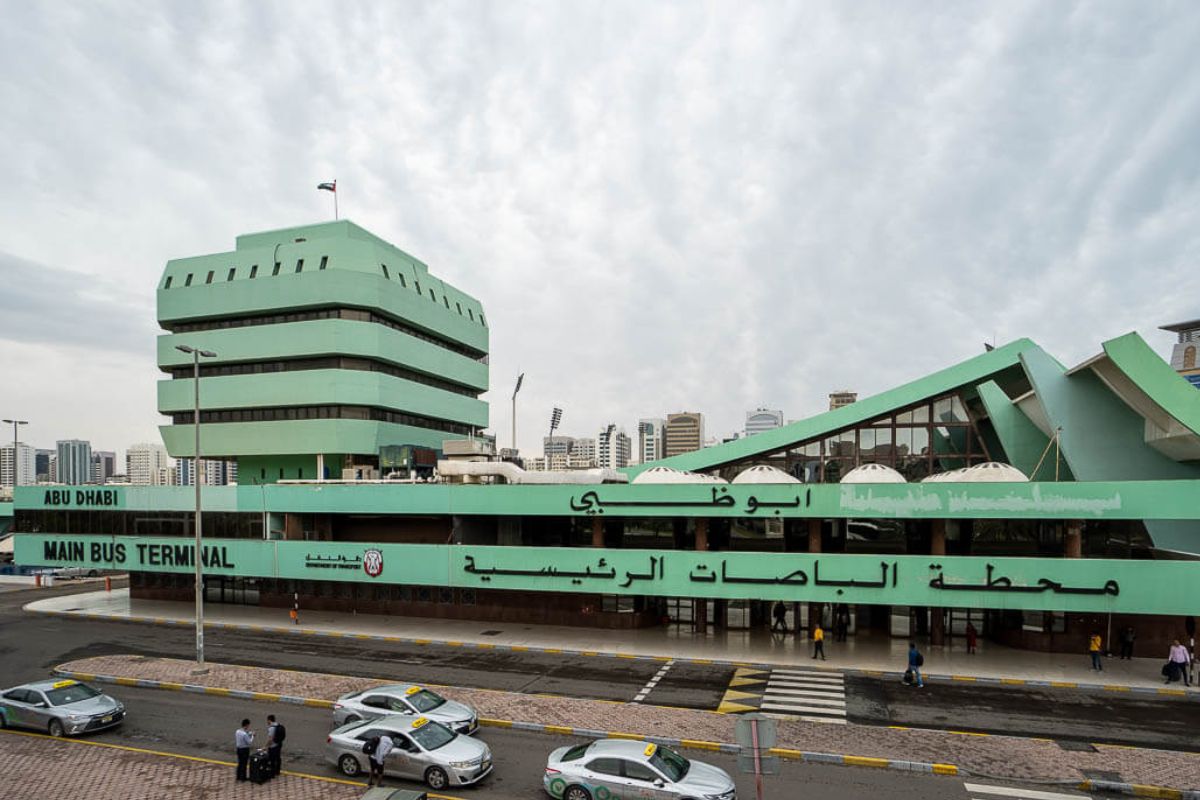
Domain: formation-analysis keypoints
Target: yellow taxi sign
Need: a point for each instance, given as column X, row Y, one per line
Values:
column 62, row 684
column 412, row 690
column 649, row 751
column 419, row 721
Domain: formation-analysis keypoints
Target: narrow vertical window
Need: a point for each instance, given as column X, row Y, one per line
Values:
column 385, row 272
column 459, row 307
column 210, row 277
column 446, row 300
column 232, row 272
column 276, row 270
column 188, row 282
column 418, row 285
column 324, row 262
column 167, row 285
column 482, row 321
column 471, row 314
column 254, row 270
column 299, row 265
column 432, row 296
column 403, row 283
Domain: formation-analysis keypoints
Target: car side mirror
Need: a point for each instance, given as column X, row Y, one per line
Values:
column 659, row 783
column 40, row 704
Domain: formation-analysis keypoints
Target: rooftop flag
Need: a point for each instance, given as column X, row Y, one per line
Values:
column 330, row 186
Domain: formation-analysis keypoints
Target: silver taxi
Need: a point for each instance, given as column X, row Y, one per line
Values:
column 60, row 708
column 424, row 750
column 622, row 769
column 406, row 699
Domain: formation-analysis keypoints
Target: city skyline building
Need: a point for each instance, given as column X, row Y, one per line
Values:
column 613, row 448
column 651, row 433
column 762, row 419
column 24, row 462
column 104, row 465
column 683, row 433
column 148, row 464
column 42, row 464
column 74, row 462
column 842, row 397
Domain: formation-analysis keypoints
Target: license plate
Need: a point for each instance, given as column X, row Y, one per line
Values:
column 106, row 719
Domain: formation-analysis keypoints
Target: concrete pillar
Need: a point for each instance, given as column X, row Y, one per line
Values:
column 937, row 619
column 700, row 604
column 597, row 532
column 1073, row 540
column 814, row 546
column 320, row 466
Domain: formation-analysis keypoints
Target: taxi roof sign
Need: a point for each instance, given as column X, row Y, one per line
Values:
column 62, row 684
column 649, row 751
column 412, row 690
column 419, row 721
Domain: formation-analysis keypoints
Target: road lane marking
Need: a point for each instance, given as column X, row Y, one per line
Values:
column 1025, row 794
column 653, row 682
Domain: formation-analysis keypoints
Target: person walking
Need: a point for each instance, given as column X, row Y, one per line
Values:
column 780, row 614
column 1094, row 647
column 1127, row 637
column 295, row 615
column 972, row 637
column 915, row 662
column 1179, row 659
column 818, row 641
column 382, row 745
column 243, row 738
column 275, row 736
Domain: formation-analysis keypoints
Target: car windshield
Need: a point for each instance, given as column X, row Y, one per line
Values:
column 432, row 735
column 70, row 694
column 670, row 763
column 425, row 700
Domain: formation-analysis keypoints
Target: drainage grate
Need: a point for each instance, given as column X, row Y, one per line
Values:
column 491, row 633
column 1102, row 775
column 1077, row 747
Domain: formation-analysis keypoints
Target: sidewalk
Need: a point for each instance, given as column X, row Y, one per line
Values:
column 106, row 772
column 871, row 654
column 1004, row 757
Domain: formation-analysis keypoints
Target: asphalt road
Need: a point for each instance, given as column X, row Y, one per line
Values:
column 31, row 645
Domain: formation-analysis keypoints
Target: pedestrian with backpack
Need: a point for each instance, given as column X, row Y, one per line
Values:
column 377, row 748
column 915, row 662
column 276, row 733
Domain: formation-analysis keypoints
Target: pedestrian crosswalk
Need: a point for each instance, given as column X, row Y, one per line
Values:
column 983, row 791
column 813, row 695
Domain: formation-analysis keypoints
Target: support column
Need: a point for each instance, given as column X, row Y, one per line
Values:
column 1073, row 539
column 937, row 618
column 814, row 546
column 320, row 466
column 700, row 604
column 597, row 532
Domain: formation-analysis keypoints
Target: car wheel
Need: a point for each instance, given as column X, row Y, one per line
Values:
column 351, row 718
column 93, row 573
column 436, row 778
column 576, row 793
column 55, row 728
column 349, row 765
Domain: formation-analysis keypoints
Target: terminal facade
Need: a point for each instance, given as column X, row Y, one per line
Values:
column 1036, row 501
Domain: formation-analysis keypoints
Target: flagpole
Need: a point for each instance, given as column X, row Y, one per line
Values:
column 335, row 205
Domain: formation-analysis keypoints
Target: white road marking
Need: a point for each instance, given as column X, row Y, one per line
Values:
column 658, row 676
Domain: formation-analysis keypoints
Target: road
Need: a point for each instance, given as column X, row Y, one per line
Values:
column 30, row 645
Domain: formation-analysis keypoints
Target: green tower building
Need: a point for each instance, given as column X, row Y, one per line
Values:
column 330, row 345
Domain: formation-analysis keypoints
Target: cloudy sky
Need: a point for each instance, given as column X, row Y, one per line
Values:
column 702, row 206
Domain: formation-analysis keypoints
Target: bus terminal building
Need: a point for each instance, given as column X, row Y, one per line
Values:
column 1036, row 500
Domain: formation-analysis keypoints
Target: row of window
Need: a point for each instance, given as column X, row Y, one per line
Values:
column 288, row 413
column 331, row 362
column 432, row 296
column 187, row 281
column 329, row 312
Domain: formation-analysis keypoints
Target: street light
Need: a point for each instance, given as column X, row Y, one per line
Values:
column 196, row 353
column 15, row 423
column 520, row 378
column 555, row 418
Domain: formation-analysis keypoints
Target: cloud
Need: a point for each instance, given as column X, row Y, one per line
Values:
column 678, row 206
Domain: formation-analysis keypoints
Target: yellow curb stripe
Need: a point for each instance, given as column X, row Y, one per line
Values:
column 496, row 723
column 638, row 737
column 900, row 727
column 1064, row 684
column 564, row 730
column 962, row 678
column 266, row 696
column 552, row 650
column 1142, row 790
column 452, row 644
column 1112, row 688
column 945, row 769
column 309, row 701
column 1175, row 692
column 126, row 681
column 699, row 745
column 785, row 753
column 220, row 690
column 481, row 645
column 518, row 647
column 618, row 655
column 968, row 733
column 174, row 687
column 865, row 761
column 1012, row 681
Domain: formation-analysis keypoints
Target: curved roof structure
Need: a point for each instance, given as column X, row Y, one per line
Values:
column 670, row 475
column 764, row 473
column 873, row 473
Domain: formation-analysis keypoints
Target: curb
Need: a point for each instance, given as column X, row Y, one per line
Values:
column 1139, row 790
column 558, row 730
column 712, row 662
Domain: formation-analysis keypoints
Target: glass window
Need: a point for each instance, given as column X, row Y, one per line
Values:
column 471, row 314
column 433, row 735
column 482, row 321
column 275, row 271
column 458, row 305
column 210, row 276
column 426, row 700
column 299, row 265
column 432, row 296
column 385, row 271
column 324, row 262
column 232, row 272
column 403, row 283
column 670, row 763
column 576, row 752
column 446, row 300
column 640, row 772
column 417, row 284
column 605, row 766
column 254, row 271
column 883, row 421
column 167, row 285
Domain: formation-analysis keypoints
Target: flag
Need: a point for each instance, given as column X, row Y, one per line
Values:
column 329, row 187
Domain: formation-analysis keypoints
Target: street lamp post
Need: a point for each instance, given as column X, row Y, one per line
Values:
column 555, row 418
column 15, row 468
column 520, row 378
column 196, row 353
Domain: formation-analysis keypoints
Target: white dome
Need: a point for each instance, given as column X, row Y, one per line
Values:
column 764, row 474
column 671, row 475
column 953, row 476
column 873, row 473
column 993, row 472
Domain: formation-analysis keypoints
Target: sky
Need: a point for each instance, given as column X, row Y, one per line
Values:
column 662, row 206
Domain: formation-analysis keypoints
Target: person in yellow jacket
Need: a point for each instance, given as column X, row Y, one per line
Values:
column 818, row 638
column 1094, row 645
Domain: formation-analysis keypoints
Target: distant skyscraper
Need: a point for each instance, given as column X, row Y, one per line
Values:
column 650, row 438
column 842, row 398
column 104, row 465
column 567, row 452
column 74, row 462
column 763, row 419
column 612, row 448
column 41, row 464
column 684, row 433
column 25, row 465
column 1184, row 358
column 148, row 465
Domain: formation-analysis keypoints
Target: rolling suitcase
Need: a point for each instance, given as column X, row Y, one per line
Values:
column 260, row 767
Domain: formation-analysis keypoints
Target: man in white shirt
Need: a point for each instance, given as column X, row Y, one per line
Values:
column 243, row 737
column 1182, row 659
column 381, row 750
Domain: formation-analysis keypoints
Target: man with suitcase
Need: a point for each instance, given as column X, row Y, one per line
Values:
column 243, row 737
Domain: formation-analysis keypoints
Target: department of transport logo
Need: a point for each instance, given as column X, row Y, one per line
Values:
column 373, row 562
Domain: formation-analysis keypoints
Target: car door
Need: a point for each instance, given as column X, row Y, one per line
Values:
column 38, row 709
column 16, row 707
column 606, row 773
column 406, row 759
column 642, row 782
column 375, row 706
